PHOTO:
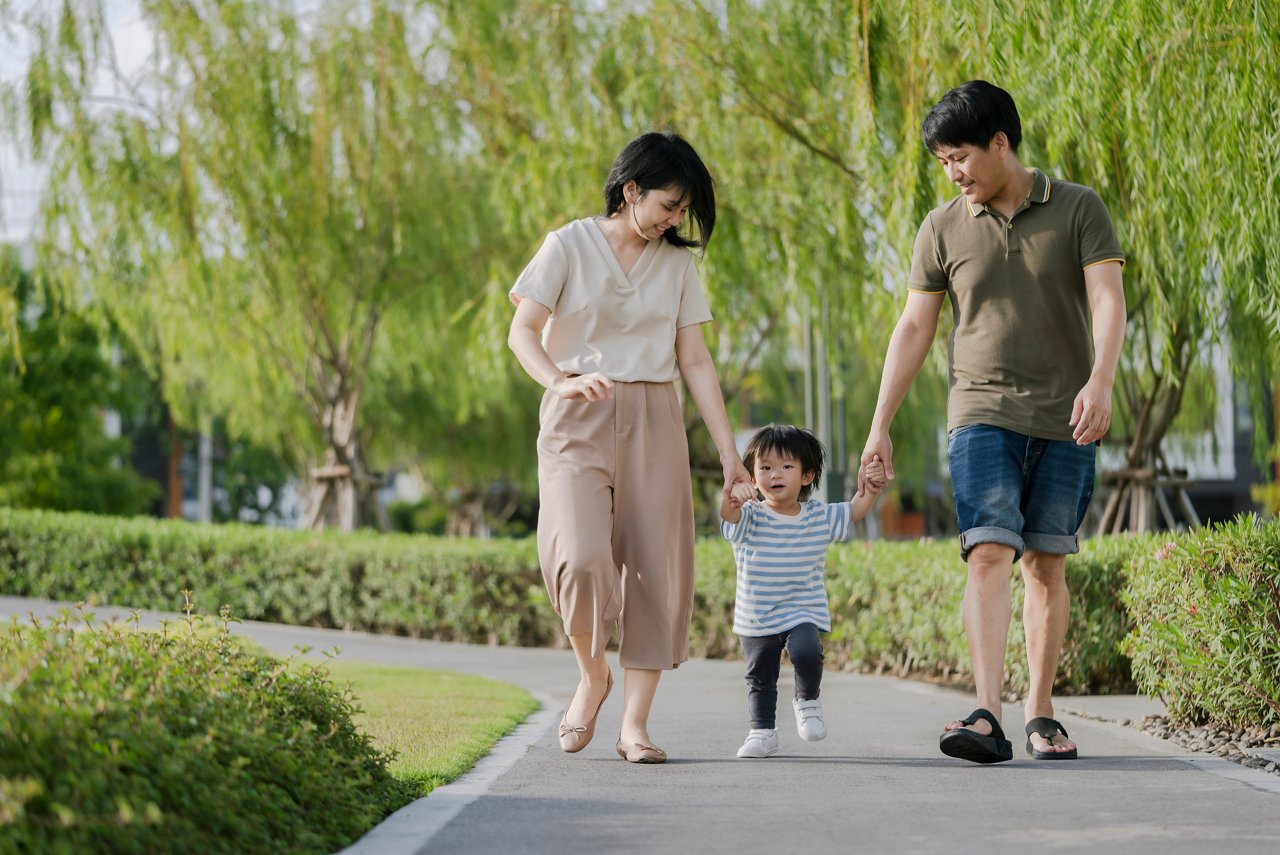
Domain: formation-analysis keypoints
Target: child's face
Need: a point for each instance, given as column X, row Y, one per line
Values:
column 779, row 478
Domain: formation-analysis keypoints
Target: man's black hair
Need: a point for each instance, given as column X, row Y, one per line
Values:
column 972, row 114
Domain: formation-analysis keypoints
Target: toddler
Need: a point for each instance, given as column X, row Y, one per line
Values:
column 780, row 540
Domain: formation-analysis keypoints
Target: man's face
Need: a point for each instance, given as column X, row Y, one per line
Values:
column 975, row 170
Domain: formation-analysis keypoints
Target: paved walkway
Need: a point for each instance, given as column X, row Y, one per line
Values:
column 876, row 784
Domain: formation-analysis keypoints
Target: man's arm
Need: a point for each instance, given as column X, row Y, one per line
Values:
column 908, row 347
column 1091, row 412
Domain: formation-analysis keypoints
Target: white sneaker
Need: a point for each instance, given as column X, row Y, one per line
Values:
column 760, row 743
column 809, row 723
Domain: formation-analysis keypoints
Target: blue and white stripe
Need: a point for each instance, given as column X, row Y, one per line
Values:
column 781, row 561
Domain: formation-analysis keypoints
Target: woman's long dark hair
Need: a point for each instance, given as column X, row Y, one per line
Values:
column 658, row 160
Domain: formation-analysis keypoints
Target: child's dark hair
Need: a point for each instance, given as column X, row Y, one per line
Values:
column 658, row 160
column 788, row 441
column 972, row 114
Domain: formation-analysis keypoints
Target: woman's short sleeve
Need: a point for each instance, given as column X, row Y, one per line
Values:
column 693, row 302
column 543, row 278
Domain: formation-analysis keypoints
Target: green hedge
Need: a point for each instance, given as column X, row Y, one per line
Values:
column 119, row 740
column 442, row 588
column 1207, row 632
column 895, row 606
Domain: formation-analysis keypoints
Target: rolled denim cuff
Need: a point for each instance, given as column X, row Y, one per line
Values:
column 1053, row 544
column 991, row 534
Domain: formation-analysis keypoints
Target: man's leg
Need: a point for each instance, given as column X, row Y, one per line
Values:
column 987, row 610
column 1046, row 608
column 1058, row 495
column 986, row 479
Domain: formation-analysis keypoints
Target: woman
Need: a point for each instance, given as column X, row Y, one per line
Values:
column 622, row 306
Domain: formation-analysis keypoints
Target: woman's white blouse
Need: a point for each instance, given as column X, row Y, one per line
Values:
column 623, row 326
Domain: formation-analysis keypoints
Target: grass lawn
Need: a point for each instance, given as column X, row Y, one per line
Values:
column 439, row 723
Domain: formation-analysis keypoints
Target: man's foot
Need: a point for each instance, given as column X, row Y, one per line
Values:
column 965, row 741
column 759, row 743
column 1047, row 740
column 809, row 722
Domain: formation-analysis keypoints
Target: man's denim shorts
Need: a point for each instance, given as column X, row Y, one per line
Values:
column 1018, row 490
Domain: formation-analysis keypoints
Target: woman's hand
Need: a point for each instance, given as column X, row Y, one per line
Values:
column 734, row 472
column 584, row 387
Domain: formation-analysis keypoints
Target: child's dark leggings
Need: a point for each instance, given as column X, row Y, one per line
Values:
column 764, row 661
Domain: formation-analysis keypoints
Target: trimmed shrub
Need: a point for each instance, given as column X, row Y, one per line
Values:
column 114, row 739
column 450, row 589
column 895, row 605
column 1206, row 636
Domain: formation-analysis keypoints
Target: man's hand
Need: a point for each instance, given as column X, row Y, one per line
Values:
column 1091, row 412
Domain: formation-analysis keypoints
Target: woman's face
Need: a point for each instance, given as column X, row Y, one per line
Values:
column 657, row 210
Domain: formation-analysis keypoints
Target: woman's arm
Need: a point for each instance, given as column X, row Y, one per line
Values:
column 525, row 341
column 699, row 374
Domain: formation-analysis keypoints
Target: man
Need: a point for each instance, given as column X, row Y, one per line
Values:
column 1027, row 263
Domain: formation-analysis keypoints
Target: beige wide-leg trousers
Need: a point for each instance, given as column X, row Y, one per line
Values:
column 615, row 526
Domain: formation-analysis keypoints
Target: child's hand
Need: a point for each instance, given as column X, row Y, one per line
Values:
column 739, row 493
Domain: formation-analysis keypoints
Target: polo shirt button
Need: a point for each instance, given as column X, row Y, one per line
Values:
column 1008, row 226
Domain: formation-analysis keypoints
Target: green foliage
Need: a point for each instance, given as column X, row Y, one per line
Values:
column 444, row 588
column 121, row 740
column 273, row 217
column 309, row 219
column 1206, row 634
column 1268, row 495
column 55, row 381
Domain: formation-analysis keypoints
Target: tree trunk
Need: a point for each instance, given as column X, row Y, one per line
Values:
column 1140, row 499
column 173, row 490
column 343, row 493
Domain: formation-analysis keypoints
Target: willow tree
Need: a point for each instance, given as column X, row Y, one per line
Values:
column 259, row 205
column 1170, row 111
column 813, row 100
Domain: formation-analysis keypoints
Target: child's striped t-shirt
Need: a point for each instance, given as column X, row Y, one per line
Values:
column 781, row 560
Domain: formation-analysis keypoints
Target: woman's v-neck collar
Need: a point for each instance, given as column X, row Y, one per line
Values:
column 625, row 279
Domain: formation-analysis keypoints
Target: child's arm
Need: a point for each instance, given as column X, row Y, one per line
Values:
column 735, row 496
column 860, row 504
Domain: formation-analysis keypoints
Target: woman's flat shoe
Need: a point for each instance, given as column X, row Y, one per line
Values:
column 637, row 752
column 574, row 737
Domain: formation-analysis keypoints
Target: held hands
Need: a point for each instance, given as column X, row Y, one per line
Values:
column 879, row 453
column 739, row 494
column 875, row 475
column 584, row 387
column 734, row 473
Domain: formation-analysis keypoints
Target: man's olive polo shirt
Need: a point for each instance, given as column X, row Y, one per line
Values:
column 1021, row 348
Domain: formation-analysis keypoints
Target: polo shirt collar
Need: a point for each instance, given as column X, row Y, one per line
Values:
column 1040, row 189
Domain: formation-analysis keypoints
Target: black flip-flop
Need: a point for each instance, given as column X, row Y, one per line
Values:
column 974, row 747
column 1048, row 728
